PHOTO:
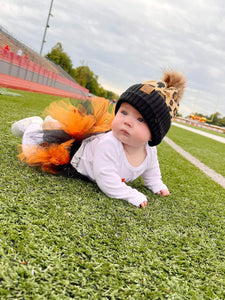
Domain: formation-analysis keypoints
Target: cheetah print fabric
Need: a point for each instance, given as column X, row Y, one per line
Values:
column 168, row 94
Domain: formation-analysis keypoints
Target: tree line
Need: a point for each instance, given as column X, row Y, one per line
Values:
column 86, row 78
column 82, row 74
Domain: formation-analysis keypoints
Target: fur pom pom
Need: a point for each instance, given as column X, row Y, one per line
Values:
column 177, row 80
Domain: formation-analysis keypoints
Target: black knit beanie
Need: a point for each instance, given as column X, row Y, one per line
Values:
column 156, row 102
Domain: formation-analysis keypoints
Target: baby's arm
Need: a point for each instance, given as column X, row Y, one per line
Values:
column 110, row 183
column 108, row 179
column 152, row 176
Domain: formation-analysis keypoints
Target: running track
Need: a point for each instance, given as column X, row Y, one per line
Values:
column 25, row 85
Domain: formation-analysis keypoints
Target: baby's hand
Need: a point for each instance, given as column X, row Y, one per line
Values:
column 163, row 193
column 143, row 204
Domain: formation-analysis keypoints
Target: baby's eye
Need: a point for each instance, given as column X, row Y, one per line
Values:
column 123, row 112
column 141, row 120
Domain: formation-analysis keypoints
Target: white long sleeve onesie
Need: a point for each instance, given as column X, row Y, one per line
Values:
column 103, row 160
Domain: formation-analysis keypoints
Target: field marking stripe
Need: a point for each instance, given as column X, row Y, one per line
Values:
column 209, row 135
column 208, row 171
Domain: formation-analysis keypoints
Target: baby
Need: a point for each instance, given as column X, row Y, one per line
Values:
column 111, row 159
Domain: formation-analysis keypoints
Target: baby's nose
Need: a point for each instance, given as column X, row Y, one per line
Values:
column 128, row 122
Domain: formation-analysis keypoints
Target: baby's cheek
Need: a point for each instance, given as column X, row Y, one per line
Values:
column 114, row 124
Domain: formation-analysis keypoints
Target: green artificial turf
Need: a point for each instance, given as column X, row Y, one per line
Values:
column 207, row 150
column 64, row 239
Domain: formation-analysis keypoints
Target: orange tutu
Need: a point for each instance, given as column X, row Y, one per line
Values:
column 82, row 119
column 78, row 120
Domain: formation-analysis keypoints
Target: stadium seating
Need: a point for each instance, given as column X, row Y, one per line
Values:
column 32, row 68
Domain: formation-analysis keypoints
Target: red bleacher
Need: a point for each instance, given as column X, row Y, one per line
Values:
column 32, row 72
column 25, row 85
column 22, row 84
column 27, row 64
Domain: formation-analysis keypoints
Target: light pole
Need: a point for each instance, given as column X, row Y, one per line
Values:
column 46, row 27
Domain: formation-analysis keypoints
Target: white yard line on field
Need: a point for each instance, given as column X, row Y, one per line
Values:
column 211, row 173
column 209, row 135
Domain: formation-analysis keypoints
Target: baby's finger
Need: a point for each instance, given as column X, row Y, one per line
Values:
column 143, row 204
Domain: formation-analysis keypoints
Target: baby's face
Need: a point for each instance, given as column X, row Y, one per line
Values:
column 129, row 127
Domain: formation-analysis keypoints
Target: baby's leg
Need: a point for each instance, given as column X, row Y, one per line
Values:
column 33, row 135
column 53, row 132
column 18, row 128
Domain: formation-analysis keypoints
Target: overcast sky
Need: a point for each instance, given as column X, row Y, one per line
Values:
column 129, row 41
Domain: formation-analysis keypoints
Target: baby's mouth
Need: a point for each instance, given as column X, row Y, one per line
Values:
column 125, row 132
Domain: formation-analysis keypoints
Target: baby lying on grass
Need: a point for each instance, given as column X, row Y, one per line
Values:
column 113, row 157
